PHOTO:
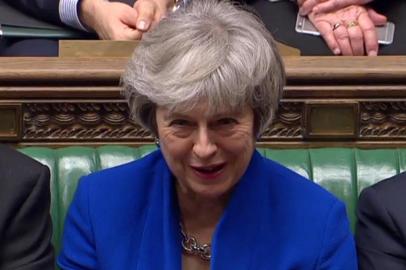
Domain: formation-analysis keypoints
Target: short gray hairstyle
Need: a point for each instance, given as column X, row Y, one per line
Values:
column 210, row 50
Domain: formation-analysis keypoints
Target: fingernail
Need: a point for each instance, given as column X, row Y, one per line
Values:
column 337, row 51
column 301, row 12
column 142, row 25
column 372, row 53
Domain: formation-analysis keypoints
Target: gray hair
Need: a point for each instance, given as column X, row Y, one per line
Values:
column 210, row 50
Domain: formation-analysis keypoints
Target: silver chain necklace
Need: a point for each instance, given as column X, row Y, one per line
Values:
column 192, row 247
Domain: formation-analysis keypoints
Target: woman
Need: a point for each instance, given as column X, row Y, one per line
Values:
column 205, row 82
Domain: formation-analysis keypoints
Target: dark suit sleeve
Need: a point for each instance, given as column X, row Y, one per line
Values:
column 26, row 241
column 379, row 241
column 47, row 10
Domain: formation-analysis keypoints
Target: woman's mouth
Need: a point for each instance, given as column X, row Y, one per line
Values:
column 209, row 172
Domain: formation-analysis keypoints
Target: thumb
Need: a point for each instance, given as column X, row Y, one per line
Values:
column 129, row 17
column 146, row 12
column 376, row 18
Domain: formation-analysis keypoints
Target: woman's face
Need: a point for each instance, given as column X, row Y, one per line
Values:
column 207, row 154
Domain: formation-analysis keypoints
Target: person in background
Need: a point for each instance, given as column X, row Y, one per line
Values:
column 110, row 20
column 206, row 82
column 25, row 222
column 353, row 22
column 114, row 20
column 347, row 26
column 381, row 227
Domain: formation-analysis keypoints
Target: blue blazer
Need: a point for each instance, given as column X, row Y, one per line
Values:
column 127, row 218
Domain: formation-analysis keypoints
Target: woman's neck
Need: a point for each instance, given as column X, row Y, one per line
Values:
column 200, row 215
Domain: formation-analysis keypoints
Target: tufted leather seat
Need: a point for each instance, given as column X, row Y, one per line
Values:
column 343, row 171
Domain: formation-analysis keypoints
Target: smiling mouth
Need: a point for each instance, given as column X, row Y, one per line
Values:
column 209, row 171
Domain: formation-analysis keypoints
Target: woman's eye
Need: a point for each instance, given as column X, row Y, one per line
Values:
column 226, row 121
column 179, row 122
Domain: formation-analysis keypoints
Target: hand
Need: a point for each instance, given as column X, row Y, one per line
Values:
column 118, row 21
column 110, row 20
column 324, row 6
column 150, row 12
column 350, row 30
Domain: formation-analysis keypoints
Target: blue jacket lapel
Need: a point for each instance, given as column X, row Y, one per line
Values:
column 239, row 229
column 160, row 242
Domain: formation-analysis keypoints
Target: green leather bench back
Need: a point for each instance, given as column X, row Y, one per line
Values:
column 343, row 171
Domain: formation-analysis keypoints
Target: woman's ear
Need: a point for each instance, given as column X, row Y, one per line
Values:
column 157, row 142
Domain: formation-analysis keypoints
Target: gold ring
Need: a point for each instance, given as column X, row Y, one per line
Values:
column 352, row 24
column 335, row 26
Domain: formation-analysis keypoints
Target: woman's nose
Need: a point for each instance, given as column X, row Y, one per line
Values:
column 204, row 146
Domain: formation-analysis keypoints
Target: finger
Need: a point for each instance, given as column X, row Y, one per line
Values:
column 131, row 34
column 341, row 35
column 120, row 31
column 300, row 2
column 307, row 6
column 327, row 33
column 124, row 25
column 129, row 16
column 356, row 40
column 369, row 32
column 334, row 5
column 146, row 13
column 330, row 5
column 377, row 19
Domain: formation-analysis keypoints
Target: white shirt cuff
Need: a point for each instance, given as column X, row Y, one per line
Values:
column 68, row 12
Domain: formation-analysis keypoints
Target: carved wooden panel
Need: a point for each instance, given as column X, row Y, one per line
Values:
column 383, row 119
column 288, row 123
column 80, row 121
column 331, row 119
column 95, row 121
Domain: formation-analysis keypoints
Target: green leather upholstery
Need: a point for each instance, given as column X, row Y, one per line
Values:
column 343, row 171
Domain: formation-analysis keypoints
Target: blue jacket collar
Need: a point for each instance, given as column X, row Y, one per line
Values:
column 235, row 236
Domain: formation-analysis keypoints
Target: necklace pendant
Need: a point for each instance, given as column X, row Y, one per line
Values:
column 192, row 247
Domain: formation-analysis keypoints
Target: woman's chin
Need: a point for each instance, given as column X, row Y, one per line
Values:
column 213, row 191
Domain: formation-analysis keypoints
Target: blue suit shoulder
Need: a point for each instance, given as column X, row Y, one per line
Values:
column 307, row 203
column 311, row 218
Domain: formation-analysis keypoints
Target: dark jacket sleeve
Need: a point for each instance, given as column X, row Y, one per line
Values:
column 25, row 225
column 47, row 10
column 381, row 242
